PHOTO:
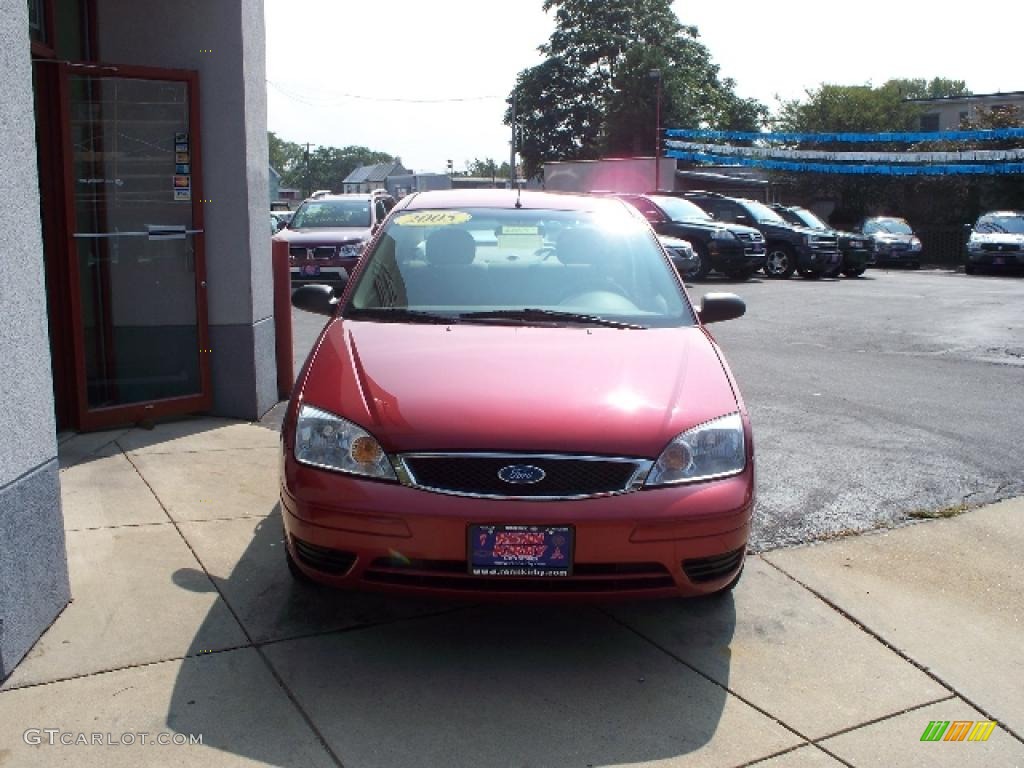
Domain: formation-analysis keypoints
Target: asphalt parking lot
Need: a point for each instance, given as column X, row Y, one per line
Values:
column 874, row 400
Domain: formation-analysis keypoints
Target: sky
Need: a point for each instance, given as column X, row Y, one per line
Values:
column 427, row 81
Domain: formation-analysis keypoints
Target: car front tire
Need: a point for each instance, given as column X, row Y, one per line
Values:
column 781, row 263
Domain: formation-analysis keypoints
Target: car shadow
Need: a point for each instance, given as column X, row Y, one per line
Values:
column 388, row 680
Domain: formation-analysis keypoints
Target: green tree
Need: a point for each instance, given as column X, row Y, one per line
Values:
column 487, row 169
column 327, row 166
column 285, row 157
column 593, row 95
column 864, row 108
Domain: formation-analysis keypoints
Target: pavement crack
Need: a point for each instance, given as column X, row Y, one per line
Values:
column 676, row 657
column 906, row 657
column 245, row 631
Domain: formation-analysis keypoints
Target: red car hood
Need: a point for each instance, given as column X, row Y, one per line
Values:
column 315, row 235
column 498, row 388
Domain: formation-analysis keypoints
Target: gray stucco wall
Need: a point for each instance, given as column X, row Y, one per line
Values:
column 233, row 106
column 33, row 567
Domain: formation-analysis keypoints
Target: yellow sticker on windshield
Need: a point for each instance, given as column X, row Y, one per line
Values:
column 432, row 218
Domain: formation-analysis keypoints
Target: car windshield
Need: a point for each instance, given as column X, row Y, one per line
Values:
column 1003, row 224
column 332, row 213
column 762, row 213
column 808, row 219
column 523, row 266
column 681, row 210
column 888, row 226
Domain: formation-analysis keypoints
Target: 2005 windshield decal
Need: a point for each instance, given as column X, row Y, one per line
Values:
column 432, row 218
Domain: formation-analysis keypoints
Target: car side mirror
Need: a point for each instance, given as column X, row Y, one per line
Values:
column 318, row 299
column 281, row 224
column 716, row 307
column 968, row 228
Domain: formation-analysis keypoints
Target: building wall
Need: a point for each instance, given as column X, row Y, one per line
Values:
column 949, row 111
column 226, row 42
column 33, row 567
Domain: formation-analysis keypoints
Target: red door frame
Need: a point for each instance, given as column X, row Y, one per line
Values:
column 86, row 418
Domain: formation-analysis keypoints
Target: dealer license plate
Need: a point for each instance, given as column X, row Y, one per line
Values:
column 520, row 550
column 310, row 270
column 998, row 260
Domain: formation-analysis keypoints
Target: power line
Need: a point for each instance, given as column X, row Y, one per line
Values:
column 337, row 98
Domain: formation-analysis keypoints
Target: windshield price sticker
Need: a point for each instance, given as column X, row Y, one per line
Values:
column 432, row 218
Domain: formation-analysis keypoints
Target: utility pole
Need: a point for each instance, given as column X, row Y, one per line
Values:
column 512, row 152
column 656, row 74
column 309, row 178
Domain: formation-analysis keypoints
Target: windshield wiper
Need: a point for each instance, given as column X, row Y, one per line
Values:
column 399, row 315
column 529, row 314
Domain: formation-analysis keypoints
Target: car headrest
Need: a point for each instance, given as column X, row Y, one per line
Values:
column 581, row 246
column 450, row 246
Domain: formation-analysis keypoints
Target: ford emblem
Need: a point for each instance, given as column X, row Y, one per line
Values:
column 521, row 474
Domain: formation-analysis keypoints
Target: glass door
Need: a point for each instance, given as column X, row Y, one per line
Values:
column 135, row 261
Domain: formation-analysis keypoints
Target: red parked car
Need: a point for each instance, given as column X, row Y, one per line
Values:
column 514, row 396
column 327, row 234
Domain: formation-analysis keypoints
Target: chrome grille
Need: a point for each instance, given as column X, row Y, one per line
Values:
column 303, row 252
column 564, row 476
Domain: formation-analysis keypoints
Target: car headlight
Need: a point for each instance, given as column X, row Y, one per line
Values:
column 330, row 442
column 714, row 449
column 857, row 243
column 722, row 234
column 915, row 244
column 352, row 250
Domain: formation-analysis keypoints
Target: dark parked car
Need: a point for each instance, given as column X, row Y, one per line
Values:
column 894, row 241
column 856, row 249
column 485, row 417
column 327, row 235
column 789, row 247
column 731, row 249
column 996, row 242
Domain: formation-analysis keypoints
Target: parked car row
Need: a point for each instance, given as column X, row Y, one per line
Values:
column 702, row 232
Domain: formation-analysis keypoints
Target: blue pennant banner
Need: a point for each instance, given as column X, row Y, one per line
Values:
column 958, row 169
column 821, row 138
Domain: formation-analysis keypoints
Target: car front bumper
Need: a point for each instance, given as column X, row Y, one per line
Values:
column 661, row 542
column 730, row 256
column 996, row 258
column 819, row 261
column 314, row 269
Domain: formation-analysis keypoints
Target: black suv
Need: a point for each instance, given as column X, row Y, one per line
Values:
column 732, row 249
column 789, row 247
column 856, row 249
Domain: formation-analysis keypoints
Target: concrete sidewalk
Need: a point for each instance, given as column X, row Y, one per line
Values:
column 185, row 623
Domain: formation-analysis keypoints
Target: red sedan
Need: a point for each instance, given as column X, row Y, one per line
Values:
column 514, row 396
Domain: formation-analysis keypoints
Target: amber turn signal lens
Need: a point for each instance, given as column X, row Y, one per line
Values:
column 676, row 458
column 364, row 450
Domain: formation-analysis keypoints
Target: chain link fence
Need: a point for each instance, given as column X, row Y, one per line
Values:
column 942, row 246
